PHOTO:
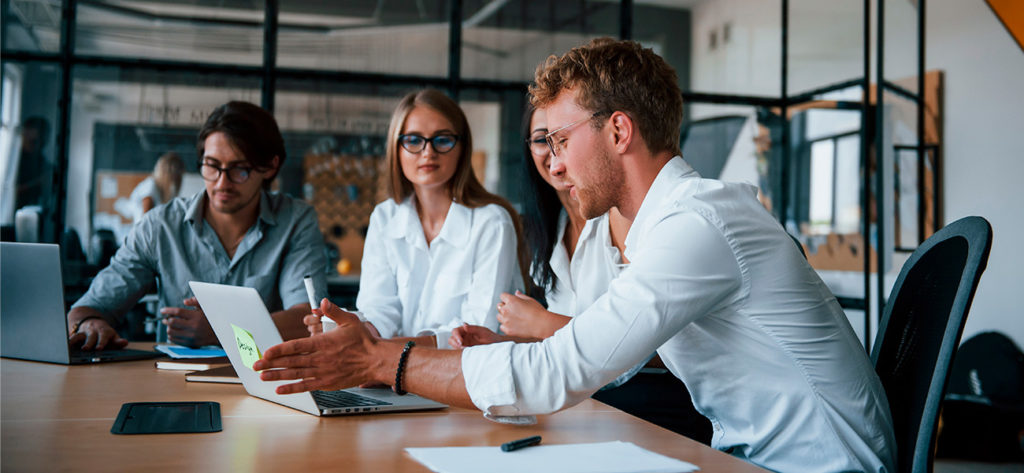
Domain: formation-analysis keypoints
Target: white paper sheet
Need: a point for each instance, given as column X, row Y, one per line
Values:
column 606, row 457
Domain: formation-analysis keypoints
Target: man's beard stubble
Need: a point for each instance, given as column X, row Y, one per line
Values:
column 603, row 194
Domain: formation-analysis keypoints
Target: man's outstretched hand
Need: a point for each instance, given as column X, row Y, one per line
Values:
column 341, row 358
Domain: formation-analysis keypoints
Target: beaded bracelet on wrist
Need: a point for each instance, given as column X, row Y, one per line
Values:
column 401, row 367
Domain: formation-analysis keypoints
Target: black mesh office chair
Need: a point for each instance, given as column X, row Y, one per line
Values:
column 920, row 332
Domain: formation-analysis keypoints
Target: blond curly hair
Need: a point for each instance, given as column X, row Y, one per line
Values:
column 612, row 75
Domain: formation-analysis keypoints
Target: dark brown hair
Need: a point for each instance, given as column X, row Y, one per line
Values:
column 464, row 187
column 251, row 130
column 611, row 75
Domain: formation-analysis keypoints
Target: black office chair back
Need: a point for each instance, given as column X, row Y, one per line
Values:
column 920, row 331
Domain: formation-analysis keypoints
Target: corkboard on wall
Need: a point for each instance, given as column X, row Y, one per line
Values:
column 841, row 252
column 113, row 185
column 345, row 189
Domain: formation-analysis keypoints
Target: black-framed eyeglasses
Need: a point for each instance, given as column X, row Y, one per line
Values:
column 441, row 143
column 236, row 174
column 538, row 144
column 556, row 144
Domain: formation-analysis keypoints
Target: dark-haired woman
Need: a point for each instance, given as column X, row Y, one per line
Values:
column 573, row 259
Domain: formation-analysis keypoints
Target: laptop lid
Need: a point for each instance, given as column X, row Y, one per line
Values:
column 32, row 320
column 241, row 322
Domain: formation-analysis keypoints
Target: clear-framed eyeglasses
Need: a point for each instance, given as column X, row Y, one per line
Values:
column 556, row 144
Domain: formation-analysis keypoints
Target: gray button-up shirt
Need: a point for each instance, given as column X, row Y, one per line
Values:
column 173, row 244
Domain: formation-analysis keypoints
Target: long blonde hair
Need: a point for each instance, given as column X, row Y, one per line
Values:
column 167, row 174
column 464, row 187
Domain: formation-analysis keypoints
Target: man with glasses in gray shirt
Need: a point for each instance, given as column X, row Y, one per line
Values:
column 233, row 232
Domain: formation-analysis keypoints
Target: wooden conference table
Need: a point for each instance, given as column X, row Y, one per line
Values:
column 58, row 418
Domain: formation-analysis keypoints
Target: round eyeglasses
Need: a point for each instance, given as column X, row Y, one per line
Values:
column 417, row 143
column 236, row 174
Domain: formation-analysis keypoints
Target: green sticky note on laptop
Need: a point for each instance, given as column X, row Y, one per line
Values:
column 247, row 348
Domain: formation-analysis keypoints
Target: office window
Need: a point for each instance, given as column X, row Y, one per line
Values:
column 28, row 142
column 833, row 179
column 826, row 44
column 834, row 186
column 822, row 186
column 507, row 40
column 122, row 121
column 396, row 37
column 335, row 139
column 901, row 156
column 32, row 25
column 900, row 51
column 666, row 27
column 731, row 143
column 747, row 60
column 214, row 32
column 495, row 117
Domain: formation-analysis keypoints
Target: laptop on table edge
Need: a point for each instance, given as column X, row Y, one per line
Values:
column 33, row 324
column 234, row 310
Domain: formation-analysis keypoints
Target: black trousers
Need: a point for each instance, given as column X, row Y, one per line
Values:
column 661, row 399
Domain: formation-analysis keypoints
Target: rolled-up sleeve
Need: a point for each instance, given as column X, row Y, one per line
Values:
column 131, row 273
column 685, row 269
column 487, row 370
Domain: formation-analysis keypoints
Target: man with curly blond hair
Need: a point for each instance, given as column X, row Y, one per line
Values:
column 715, row 286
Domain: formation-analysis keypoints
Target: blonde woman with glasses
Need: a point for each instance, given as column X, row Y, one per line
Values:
column 442, row 249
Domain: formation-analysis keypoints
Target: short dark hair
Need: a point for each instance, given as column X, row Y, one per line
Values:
column 251, row 130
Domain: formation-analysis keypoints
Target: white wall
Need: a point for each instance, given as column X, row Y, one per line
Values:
column 983, row 108
column 984, row 139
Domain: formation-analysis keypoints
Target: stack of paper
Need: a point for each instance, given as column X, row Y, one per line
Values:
column 607, row 457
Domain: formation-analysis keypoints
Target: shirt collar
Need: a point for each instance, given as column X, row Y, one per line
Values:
column 559, row 260
column 666, row 181
column 456, row 225
column 194, row 213
column 455, row 229
column 589, row 227
column 268, row 213
column 196, row 203
column 405, row 216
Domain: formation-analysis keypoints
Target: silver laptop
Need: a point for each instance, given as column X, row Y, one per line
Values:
column 239, row 312
column 33, row 324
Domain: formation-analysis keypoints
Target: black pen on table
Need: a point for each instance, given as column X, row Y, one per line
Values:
column 521, row 443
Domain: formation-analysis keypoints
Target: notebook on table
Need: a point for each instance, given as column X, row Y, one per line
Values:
column 192, row 364
column 221, row 374
column 33, row 323
column 245, row 329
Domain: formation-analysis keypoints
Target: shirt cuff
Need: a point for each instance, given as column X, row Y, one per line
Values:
column 487, row 371
column 383, row 326
column 440, row 337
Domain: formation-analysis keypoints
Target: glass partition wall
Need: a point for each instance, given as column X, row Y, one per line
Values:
column 778, row 93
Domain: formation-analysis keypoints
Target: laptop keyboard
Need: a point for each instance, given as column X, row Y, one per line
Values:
column 336, row 399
